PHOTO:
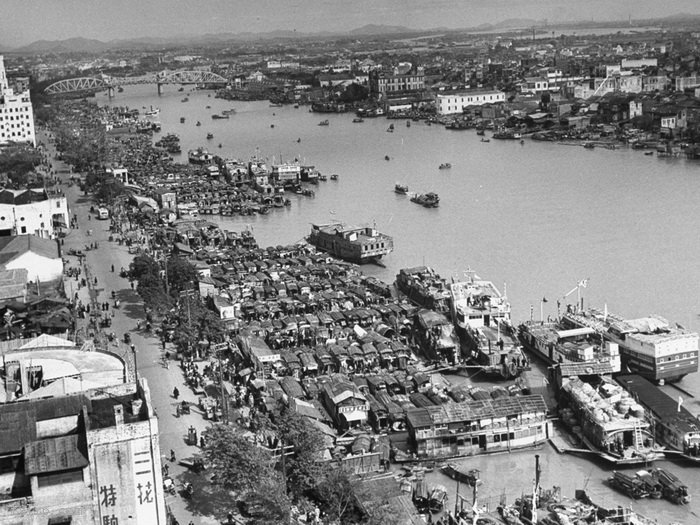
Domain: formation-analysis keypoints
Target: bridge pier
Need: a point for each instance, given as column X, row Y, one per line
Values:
column 160, row 89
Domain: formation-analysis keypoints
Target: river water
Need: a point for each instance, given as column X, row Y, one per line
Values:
column 537, row 216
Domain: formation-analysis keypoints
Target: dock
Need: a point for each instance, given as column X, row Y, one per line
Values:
column 562, row 443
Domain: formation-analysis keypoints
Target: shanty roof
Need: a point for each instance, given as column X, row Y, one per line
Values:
column 476, row 410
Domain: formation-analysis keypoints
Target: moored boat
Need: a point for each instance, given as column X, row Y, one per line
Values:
column 650, row 346
column 424, row 287
column 324, row 123
column 445, row 166
column 355, row 244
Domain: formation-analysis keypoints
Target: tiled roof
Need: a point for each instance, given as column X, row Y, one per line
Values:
column 13, row 247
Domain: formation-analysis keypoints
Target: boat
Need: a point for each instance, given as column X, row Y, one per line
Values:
column 386, row 157
column 358, row 119
column 408, row 123
column 504, row 134
column 437, row 499
column 588, row 145
column 573, row 351
column 354, row 244
column 182, row 120
column 648, row 152
column 198, row 123
column 672, row 488
column 445, row 166
column 229, row 111
column 610, row 423
column 424, row 287
column 616, row 515
column 210, row 136
column 322, row 177
column 649, row 346
column 480, row 131
column 186, row 99
column 436, row 336
column 199, row 156
column 428, row 200
column 390, row 129
column 120, row 89
column 323, row 123
column 152, row 112
column 485, row 140
column 180, row 89
column 470, row 477
column 630, row 485
column 275, row 105
column 401, row 189
column 482, row 318
column 334, row 176
column 216, row 116
column 208, row 107
column 676, row 427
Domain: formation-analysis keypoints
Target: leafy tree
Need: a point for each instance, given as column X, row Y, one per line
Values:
column 236, row 463
column 335, row 492
column 181, row 275
column 142, row 265
column 354, row 93
column 18, row 162
column 304, row 467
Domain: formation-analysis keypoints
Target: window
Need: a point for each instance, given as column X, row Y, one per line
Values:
column 23, row 229
column 59, row 478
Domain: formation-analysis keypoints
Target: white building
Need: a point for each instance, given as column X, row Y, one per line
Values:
column 534, row 85
column 286, row 172
column 40, row 257
column 638, row 63
column 450, row 103
column 32, row 212
column 16, row 114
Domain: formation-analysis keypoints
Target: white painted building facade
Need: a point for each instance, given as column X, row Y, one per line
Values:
column 42, row 216
column 16, row 113
column 452, row 103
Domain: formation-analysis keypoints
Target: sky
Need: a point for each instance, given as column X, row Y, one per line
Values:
column 25, row 21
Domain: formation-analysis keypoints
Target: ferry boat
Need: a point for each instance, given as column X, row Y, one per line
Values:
column 649, row 346
column 611, row 423
column 354, row 244
column 401, row 189
column 424, row 287
column 482, row 318
column 428, row 200
column 676, row 427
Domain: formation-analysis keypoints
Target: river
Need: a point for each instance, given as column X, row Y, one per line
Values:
column 537, row 216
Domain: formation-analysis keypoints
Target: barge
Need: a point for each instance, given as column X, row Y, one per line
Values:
column 675, row 426
column 354, row 244
column 649, row 346
column 610, row 423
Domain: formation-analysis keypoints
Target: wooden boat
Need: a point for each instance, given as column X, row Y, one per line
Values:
column 210, row 135
column 323, row 123
column 358, row 119
column 459, row 474
column 334, row 176
column 182, row 120
column 445, row 166
column 401, row 189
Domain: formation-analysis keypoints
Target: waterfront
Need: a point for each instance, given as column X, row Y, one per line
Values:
column 538, row 216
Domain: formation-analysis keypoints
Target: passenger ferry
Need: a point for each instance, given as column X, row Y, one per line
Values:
column 354, row 244
column 675, row 426
column 481, row 316
column 649, row 346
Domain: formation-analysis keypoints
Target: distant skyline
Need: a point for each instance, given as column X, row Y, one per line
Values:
column 25, row 21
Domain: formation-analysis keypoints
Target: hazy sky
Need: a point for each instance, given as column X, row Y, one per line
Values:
column 24, row 21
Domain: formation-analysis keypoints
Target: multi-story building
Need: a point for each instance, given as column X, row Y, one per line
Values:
column 34, row 212
column 450, row 103
column 16, row 114
column 383, row 83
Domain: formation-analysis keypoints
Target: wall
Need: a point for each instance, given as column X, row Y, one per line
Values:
column 36, row 217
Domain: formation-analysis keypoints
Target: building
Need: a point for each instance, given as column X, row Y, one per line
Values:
column 91, row 457
column 34, row 212
column 477, row 427
column 286, row 172
column 450, row 103
column 382, row 83
column 638, row 63
column 40, row 257
column 345, row 403
column 683, row 83
column 16, row 113
column 119, row 172
column 534, row 85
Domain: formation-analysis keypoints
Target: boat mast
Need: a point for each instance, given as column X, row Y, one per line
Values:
column 536, row 488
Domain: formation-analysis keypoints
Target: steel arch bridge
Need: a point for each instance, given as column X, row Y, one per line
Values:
column 76, row 85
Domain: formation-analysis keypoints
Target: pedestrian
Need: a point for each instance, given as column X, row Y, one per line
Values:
column 176, row 393
column 172, row 455
column 132, row 285
column 95, row 281
column 112, row 268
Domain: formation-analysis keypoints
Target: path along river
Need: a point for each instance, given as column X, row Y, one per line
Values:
column 537, row 216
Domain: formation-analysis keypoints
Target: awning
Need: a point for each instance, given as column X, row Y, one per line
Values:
column 354, row 416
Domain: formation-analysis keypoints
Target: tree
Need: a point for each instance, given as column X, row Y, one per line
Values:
column 335, row 492
column 236, row 463
column 143, row 265
column 181, row 275
column 304, row 467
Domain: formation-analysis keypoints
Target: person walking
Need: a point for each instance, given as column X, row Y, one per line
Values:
column 176, row 393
